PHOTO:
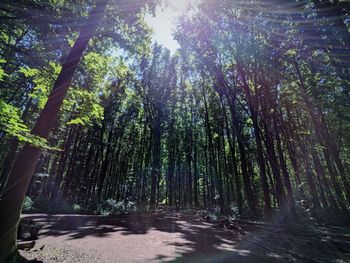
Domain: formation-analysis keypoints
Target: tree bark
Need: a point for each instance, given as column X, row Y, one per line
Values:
column 156, row 155
column 23, row 168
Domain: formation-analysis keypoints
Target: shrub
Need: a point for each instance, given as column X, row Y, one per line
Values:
column 76, row 207
column 27, row 204
column 233, row 210
column 56, row 206
column 114, row 207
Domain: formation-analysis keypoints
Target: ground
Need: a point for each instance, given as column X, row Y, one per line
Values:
column 172, row 236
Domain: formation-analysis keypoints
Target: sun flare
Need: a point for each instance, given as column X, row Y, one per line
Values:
column 163, row 22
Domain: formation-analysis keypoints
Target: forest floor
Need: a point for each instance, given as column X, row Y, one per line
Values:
column 172, row 236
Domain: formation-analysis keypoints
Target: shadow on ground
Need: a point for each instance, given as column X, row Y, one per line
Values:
column 199, row 241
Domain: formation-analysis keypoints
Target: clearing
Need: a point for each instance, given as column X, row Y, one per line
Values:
column 172, row 236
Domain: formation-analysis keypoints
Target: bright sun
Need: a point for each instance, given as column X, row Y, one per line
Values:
column 163, row 22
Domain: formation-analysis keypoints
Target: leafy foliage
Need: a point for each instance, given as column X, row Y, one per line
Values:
column 27, row 204
column 113, row 207
column 11, row 123
column 249, row 116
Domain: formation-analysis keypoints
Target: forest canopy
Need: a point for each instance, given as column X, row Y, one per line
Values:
column 251, row 111
column 249, row 116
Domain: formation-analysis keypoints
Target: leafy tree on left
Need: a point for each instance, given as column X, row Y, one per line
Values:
column 19, row 178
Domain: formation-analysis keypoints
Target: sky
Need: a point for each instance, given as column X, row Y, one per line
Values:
column 163, row 23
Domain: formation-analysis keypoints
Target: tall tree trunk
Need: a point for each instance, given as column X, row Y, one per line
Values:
column 268, row 109
column 62, row 164
column 324, row 181
column 23, row 168
column 156, row 155
column 105, row 161
column 325, row 140
column 195, row 179
column 288, row 135
column 254, row 115
column 283, row 165
column 188, row 150
column 237, row 182
column 242, row 153
column 171, row 169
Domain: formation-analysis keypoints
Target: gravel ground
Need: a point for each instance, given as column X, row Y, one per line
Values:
column 174, row 237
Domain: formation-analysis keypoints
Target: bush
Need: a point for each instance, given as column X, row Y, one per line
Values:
column 56, row 206
column 114, row 207
column 233, row 210
column 76, row 207
column 27, row 204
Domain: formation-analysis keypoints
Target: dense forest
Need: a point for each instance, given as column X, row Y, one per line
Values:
column 250, row 116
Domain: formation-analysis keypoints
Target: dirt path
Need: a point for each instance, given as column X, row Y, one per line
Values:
column 159, row 237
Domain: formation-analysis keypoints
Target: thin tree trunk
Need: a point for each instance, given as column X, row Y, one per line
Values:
column 254, row 115
column 236, row 180
column 156, row 156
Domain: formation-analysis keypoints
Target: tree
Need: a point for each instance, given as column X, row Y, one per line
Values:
column 24, row 166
